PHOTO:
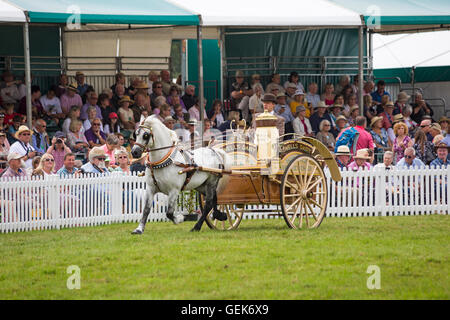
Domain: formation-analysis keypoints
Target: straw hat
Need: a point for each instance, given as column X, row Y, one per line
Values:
column 403, row 97
column 444, row 119
column 362, row 154
column 341, row 118
column 79, row 73
column 168, row 118
column 389, row 104
column 192, row 121
column 281, row 95
column 73, row 87
column 96, row 152
column 142, row 85
column 321, row 104
column 126, row 99
column 14, row 156
column 299, row 92
column 398, row 118
column 436, row 126
column 343, row 151
column 337, row 106
column 442, row 144
column 353, row 108
column 375, row 120
column 300, row 108
column 21, row 130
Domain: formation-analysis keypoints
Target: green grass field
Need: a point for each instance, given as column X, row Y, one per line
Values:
column 262, row 260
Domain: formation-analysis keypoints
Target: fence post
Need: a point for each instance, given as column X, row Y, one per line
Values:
column 53, row 201
column 116, row 196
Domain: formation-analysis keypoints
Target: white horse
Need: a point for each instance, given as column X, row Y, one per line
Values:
column 164, row 163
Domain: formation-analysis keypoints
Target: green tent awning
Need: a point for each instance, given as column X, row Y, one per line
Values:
column 144, row 12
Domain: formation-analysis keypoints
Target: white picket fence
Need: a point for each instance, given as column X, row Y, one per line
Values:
column 54, row 203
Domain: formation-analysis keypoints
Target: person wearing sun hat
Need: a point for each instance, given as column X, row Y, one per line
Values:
column 360, row 160
column 342, row 156
column 444, row 123
column 269, row 101
column 379, row 135
column 400, row 104
column 23, row 146
column 16, row 166
column 319, row 115
column 442, row 151
column 299, row 99
column 96, row 162
column 70, row 98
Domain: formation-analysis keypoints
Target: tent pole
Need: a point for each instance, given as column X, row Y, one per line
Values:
column 200, row 76
column 361, row 69
column 222, row 60
column 370, row 46
column 26, row 47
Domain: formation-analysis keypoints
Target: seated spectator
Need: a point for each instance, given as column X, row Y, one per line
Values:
column 360, row 160
column 140, row 111
column 94, row 135
column 290, row 91
column 301, row 124
column 370, row 109
column 240, row 95
column 91, row 103
column 58, row 149
column 74, row 114
column 343, row 82
column 312, row 96
column 142, row 89
column 46, row 166
column 420, row 108
column 62, row 85
column 347, row 92
column 15, row 166
column 412, row 125
column 36, row 107
column 388, row 119
column 68, row 169
column 40, row 140
column 52, row 106
column 216, row 114
column 120, row 79
column 335, row 110
column 132, row 89
column 294, row 78
column 275, row 83
column 138, row 165
column 233, row 118
column 157, row 92
column 442, row 156
column 70, row 98
column 328, row 95
column 10, row 93
column 376, row 95
column 283, row 110
column 119, row 93
column 325, row 136
column 255, row 104
column 4, row 147
column 388, row 158
column 319, row 115
column 92, row 115
column 181, row 118
column 409, row 160
column 380, row 136
column 3, row 125
column 342, row 156
column 437, row 139
column 110, row 146
column 81, row 85
column 435, row 129
column 423, row 148
column 12, row 129
column 365, row 140
column 354, row 112
column 126, row 116
column 166, row 82
column 194, row 112
column 402, row 140
column 368, row 88
column 112, row 125
column 96, row 164
column 76, row 140
column 153, row 76
column 189, row 97
column 122, row 161
column 443, row 122
column 350, row 102
column 341, row 124
column 299, row 100
column 169, row 122
column 400, row 104
column 256, row 79
column 22, row 146
column 105, row 107
column 174, row 97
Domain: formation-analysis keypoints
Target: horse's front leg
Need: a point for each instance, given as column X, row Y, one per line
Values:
column 172, row 201
column 148, row 204
column 210, row 195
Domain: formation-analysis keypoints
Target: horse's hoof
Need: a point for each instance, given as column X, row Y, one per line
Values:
column 219, row 215
column 137, row 231
column 178, row 219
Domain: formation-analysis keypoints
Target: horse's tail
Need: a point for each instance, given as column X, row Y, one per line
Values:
column 227, row 162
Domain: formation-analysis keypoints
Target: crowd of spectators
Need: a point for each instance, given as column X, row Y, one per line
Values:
column 80, row 129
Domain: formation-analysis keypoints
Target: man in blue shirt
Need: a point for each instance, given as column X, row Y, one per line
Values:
column 40, row 140
column 409, row 160
column 376, row 95
column 442, row 156
column 68, row 169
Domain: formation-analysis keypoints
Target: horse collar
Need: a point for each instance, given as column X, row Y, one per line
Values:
column 164, row 162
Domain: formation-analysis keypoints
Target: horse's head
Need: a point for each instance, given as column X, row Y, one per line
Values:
column 151, row 134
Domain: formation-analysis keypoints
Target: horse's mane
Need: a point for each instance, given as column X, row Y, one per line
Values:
column 172, row 134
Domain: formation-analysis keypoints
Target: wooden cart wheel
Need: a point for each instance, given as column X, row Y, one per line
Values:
column 303, row 193
column 233, row 212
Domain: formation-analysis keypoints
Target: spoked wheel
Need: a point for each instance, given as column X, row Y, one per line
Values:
column 234, row 214
column 303, row 193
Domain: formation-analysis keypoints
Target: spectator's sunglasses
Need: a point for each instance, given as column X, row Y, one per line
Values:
column 101, row 158
column 409, row 157
column 428, row 125
column 96, row 124
column 48, row 159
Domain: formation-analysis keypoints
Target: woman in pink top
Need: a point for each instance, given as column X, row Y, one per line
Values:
column 402, row 140
column 328, row 96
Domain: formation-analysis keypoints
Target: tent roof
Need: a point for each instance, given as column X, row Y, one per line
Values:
column 400, row 13
column 153, row 12
column 269, row 13
column 10, row 13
